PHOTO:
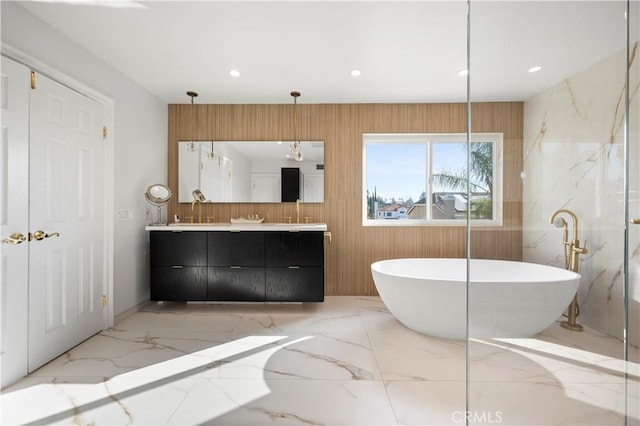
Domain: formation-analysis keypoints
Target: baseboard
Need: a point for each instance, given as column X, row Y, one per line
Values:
column 126, row 314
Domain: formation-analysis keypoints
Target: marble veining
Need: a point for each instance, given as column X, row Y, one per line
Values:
column 345, row 362
column 275, row 416
column 574, row 159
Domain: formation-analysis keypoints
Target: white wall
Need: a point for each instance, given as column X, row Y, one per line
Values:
column 139, row 135
column 574, row 159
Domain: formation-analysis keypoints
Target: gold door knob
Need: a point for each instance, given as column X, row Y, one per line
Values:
column 15, row 238
column 41, row 235
column 636, row 221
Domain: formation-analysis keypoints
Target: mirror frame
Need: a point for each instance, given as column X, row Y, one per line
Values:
column 158, row 201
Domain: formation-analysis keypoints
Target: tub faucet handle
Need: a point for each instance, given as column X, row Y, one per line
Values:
column 580, row 250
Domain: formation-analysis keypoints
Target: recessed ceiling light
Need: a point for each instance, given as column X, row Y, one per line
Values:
column 535, row 69
column 234, row 73
column 355, row 72
column 463, row 73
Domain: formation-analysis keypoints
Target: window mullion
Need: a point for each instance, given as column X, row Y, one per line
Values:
column 429, row 189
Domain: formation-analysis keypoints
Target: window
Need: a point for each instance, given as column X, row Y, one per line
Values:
column 416, row 179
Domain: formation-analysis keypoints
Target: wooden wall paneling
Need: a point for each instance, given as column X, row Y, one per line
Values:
column 341, row 126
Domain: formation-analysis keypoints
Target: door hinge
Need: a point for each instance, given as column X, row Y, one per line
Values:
column 103, row 301
column 104, row 132
column 33, row 79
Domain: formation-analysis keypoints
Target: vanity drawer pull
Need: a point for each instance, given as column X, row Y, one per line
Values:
column 235, row 267
column 177, row 266
column 294, row 267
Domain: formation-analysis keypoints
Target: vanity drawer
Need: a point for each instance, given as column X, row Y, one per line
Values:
column 178, row 283
column 236, row 284
column 236, row 249
column 295, row 284
column 178, row 248
column 303, row 248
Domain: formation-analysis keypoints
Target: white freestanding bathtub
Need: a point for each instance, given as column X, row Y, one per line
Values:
column 506, row 299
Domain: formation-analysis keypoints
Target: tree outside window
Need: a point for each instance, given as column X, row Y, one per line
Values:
column 411, row 179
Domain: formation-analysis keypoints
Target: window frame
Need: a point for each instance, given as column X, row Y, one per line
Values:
column 429, row 139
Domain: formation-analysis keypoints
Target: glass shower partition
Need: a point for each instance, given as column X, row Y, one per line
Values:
column 565, row 179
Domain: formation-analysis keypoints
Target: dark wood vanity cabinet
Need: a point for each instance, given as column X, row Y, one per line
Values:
column 248, row 266
column 178, row 266
column 236, row 266
column 295, row 266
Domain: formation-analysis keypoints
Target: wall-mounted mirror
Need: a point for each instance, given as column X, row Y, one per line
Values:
column 158, row 195
column 251, row 171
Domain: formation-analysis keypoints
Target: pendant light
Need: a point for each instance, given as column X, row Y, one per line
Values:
column 191, row 146
column 295, row 146
column 212, row 155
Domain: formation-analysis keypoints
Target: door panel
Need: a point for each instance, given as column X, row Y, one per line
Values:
column 86, row 290
column 265, row 188
column 56, row 291
column 66, row 195
column 85, row 166
column 55, row 180
column 14, row 218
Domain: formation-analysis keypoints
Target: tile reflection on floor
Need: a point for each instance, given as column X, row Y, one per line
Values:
column 343, row 362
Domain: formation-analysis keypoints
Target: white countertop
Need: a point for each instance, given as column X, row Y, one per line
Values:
column 174, row 227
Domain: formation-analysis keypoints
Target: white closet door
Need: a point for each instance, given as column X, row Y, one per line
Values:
column 265, row 188
column 14, row 220
column 67, row 261
column 226, row 182
column 313, row 188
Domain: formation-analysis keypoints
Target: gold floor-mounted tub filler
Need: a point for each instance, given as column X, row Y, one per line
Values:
column 572, row 251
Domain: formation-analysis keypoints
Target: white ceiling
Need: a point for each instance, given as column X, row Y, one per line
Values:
column 407, row 51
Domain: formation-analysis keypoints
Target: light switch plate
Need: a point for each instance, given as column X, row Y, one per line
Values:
column 124, row 214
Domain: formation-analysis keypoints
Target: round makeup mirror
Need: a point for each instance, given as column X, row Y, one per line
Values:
column 158, row 195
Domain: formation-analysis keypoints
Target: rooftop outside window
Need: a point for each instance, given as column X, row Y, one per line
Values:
column 421, row 179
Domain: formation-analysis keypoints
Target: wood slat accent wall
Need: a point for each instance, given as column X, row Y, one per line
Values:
column 340, row 126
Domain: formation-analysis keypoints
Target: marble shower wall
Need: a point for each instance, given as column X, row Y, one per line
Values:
column 574, row 159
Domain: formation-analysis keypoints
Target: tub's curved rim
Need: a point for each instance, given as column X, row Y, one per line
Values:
column 563, row 274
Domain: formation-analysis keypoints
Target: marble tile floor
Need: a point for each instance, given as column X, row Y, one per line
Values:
column 343, row 362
